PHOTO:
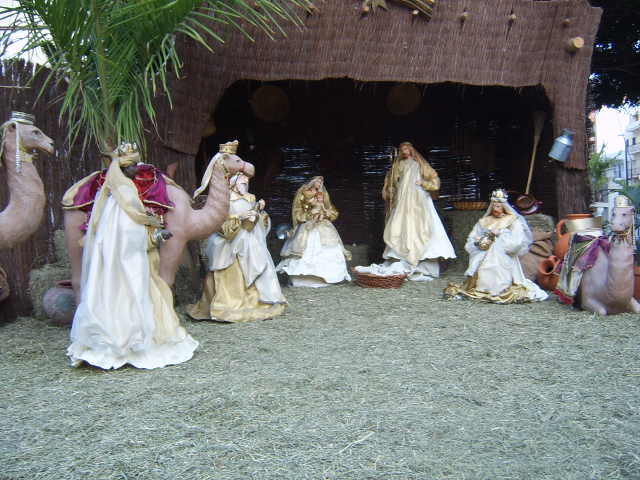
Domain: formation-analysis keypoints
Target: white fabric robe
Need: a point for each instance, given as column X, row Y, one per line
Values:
column 435, row 242
column 116, row 322
column 499, row 267
column 250, row 248
column 323, row 256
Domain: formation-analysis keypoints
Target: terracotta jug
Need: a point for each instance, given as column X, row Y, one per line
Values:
column 59, row 303
column 636, row 286
column 547, row 277
column 562, row 239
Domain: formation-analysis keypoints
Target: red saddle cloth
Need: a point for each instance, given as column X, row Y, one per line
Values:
column 151, row 185
column 581, row 256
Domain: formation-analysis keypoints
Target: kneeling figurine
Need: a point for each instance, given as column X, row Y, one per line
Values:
column 494, row 245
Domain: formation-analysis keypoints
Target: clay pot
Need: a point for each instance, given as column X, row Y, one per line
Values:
column 636, row 285
column 547, row 279
column 59, row 303
column 562, row 240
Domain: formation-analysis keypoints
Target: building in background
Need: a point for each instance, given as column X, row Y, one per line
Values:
column 632, row 143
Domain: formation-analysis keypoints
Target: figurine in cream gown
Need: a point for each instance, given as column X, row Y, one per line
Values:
column 314, row 256
column 413, row 233
column 242, row 284
column 125, row 314
column 494, row 245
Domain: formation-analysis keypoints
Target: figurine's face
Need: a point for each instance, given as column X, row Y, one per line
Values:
column 242, row 184
column 318, row 183
column 405, row 151
column 130, row 170
column 497, row 210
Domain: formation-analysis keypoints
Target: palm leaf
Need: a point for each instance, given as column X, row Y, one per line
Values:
column 116, row 56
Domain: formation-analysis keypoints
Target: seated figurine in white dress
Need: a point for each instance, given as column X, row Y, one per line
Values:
column 313, row 255
column 125, row 314
column 494, row 245
column 242, row 284
column 413, row 233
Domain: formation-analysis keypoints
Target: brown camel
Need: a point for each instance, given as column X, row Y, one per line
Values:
column 182, row 221
column 607, row 287
column 22, row 216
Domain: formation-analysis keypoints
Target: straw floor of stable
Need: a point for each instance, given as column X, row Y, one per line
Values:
column 350, row 383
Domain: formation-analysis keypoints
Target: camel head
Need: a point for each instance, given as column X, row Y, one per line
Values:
column 31, row 138
column 235, row 164
column 622, row 218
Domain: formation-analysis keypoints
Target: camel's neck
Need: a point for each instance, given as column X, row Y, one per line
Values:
column 620, row 278
column 23, row 214
column 218, row 190
column 210, row 217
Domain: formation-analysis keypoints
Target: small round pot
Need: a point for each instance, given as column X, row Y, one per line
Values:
column 59, row 303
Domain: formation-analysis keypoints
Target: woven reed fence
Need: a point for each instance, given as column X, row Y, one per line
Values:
column 18, row 91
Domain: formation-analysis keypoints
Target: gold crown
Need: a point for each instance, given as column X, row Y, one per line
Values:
column 126, row 153
column 24, row 118
column 623, row 201
column 229, row 147
column 499, row 196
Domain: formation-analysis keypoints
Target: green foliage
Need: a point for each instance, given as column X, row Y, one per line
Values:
column 632, row 191
column 116, row 55
column 598, row 165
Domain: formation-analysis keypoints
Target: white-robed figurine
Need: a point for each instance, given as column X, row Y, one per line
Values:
column 242, row 284
column 314, row 256
column 494, row 245
column 413, row 233
column 126, row 310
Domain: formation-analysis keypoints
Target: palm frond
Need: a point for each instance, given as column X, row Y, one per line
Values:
column 116, row 56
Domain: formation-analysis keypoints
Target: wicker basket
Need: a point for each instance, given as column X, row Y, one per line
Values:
column 369, row 280
column 466, row 205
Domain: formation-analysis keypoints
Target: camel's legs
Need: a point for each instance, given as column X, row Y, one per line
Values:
column 593, row 306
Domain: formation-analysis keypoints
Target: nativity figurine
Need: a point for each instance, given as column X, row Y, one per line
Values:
column 125, row 314
column 413, row 233
column 597, row 273
column 313, row 255
column 241, row 284
column 495, row 244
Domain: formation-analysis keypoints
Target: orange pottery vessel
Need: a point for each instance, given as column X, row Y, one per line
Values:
column 547, row 278
column 562, row 240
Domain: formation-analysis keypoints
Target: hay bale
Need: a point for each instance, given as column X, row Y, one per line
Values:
column 46, row 277
column 461, row 222
column 41, row 280
column 540, row 221
column 60, row 247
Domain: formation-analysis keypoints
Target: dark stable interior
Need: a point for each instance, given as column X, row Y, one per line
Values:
column 477, row 137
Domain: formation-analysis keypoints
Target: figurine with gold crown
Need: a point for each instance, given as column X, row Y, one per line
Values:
column 125, row 314
column 494, row 245
column 241, row 284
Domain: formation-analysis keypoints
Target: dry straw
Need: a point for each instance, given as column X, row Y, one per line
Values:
column 350, row 383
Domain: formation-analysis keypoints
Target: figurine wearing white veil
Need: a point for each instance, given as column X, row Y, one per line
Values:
column 494, row 245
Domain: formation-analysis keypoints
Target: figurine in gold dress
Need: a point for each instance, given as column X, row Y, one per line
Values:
column 494, row 245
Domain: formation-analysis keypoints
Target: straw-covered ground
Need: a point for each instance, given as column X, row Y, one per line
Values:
column 350, row 383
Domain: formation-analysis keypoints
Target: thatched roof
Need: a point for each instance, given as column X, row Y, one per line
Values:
column 488, row 48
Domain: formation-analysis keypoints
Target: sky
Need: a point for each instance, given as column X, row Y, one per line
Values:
column 610, row 125
column 35, row 56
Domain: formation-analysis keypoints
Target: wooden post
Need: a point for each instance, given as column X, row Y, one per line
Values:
column 572, row 190
column 574, row 44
